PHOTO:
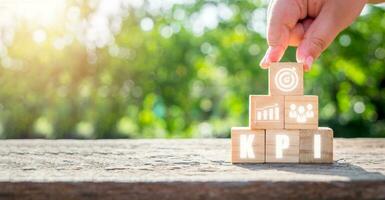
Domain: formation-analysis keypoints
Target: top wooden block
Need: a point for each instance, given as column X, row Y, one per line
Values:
column 286, row 79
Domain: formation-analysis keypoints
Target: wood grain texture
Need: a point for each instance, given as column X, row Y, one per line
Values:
column 306, row 145
column 301, row 102
column 258, row 145
column 258, row 103
column 181, row 169
column 290, row 155
column 286, row 78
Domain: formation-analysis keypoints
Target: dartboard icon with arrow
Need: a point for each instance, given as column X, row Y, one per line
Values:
column 286, row 79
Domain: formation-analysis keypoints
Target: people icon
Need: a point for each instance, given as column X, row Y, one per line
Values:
column 293, row 112
column 301, row 113
column 309, row 112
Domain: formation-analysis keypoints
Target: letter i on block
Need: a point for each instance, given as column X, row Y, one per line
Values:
column 316, row 146
column 247, row 146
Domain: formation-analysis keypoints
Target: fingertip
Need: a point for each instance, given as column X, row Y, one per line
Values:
column 304, row 57
column 264, row 66
column 308, row 63
column 275, row 53
column 265, row 62
column 306, row 69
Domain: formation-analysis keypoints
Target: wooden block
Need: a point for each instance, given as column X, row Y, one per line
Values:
column 266, row 112
column 286, row 78
column 247, row 146
column 301, row 112
column 316, row 146
column 282, row 146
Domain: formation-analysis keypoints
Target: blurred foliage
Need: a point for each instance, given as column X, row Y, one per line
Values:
column 132, row 69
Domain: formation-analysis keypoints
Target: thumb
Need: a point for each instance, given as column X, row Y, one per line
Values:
column 317, row 38
column 282, row 19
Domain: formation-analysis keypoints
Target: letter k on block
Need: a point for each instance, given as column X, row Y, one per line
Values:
column 248, row 146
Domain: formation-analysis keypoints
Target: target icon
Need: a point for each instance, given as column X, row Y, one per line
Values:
column 286, row 79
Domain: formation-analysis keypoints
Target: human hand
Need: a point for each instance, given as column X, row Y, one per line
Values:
column 311, row 25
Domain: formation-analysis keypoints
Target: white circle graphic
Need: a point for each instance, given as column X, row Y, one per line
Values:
column 286, row 79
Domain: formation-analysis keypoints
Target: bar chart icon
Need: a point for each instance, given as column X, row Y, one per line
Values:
column 268, row 113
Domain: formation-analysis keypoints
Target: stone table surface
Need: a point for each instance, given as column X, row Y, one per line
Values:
column 182, row 169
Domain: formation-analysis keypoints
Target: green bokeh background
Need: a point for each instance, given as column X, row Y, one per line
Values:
column 171, row 72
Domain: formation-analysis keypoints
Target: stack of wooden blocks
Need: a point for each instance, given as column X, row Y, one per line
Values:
column 283, row 126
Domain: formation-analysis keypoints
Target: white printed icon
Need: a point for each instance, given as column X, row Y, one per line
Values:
column 286, row 79
column 300, row 113
column 268, row 113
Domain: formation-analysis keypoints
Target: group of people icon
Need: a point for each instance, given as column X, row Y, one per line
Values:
column 301, row 113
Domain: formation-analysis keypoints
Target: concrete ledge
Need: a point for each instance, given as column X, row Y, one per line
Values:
column 181, row 169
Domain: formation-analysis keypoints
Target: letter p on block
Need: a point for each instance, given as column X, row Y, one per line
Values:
column 282, row 143
column 282, row 146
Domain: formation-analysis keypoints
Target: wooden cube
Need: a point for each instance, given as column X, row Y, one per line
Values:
column 286, row 78
column 266, row 112
column 247, row 146
column 316, row 146
column 301, row 112
column 282, row 146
